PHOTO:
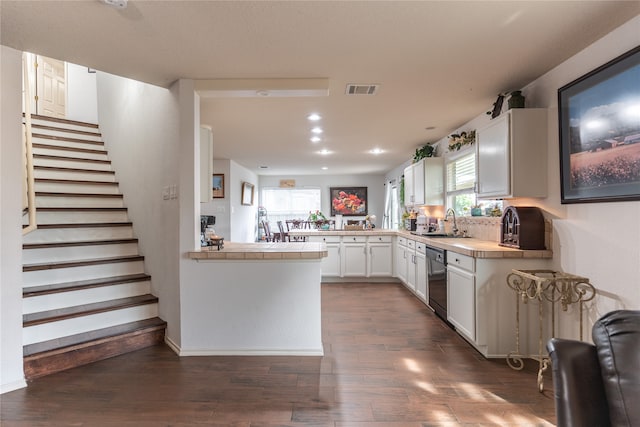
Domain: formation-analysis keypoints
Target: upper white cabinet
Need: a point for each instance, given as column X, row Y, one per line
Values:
column 424, row 182
column 206, row 164
column 512, row 155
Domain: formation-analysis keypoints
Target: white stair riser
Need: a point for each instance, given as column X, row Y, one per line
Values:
column 63, row 125
column 90, row 145
column 78, row 325
column 77, row 164
column 85, row 296
column 51, row 151
column 79, row 188
column 87, row 272
column 71, row 253
column 78, row 234
column 69, row 217
column 78, row 176
column 79, row 202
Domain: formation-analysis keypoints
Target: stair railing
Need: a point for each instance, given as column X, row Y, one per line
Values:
column 29, row 195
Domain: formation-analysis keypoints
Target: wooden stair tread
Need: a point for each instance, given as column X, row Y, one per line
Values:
column 83, row 284
column 85, row 225
column 65, row 138
column 63, row 344
column 56, row 315
column 56, row 194
column 79, row 209
column 66, row 121
column 73, row 159
column 78, row 243
column 67, row 130
column 80, row 263
column 65, row 148
column 61, row 169
column 74, row 181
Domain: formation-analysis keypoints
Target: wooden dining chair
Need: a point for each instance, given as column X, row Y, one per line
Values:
column 297, row 224
column 284, row 237
column 268, row 236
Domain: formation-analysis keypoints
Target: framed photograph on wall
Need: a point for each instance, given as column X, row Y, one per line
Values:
column 599, row 118
column 348, row 201
column 247, row 194
column 217, row 185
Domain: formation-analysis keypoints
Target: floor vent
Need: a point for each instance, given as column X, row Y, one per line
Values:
column 360, row 89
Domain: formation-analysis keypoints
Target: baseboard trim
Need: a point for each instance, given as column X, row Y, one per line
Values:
column 15, row 385
column 263, row 352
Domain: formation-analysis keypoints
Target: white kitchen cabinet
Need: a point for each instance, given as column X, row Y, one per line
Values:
column 330, row 265
column 512, row 155
column 206, row 164
column 421, row 271
column 424, row 182
column 354, row 256
column 411, row 265
column 379, row 256
column 409, row 194
column 461, row 294
column 402, row 259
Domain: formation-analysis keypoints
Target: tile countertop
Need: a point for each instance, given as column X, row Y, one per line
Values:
column 265, row 251
column 466, row 246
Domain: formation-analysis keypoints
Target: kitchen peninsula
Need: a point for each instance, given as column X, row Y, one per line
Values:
column 259, row 299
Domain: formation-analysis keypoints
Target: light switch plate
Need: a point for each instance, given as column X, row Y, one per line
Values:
column 165, row 193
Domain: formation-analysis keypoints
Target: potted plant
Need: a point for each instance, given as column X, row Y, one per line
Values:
column 421, row 153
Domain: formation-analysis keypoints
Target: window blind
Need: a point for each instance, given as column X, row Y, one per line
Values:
column 461, row 174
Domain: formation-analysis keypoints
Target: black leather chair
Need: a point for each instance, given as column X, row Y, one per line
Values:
column 598, row 385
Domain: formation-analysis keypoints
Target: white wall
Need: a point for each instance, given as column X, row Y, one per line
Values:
column 243, row 219
column 139, row 123
column 374, row 184
column 11, row 372
column 82, row 96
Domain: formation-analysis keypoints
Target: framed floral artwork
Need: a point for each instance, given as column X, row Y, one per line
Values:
column 348, row 201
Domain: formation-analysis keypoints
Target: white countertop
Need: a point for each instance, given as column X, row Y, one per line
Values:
column 263, row 250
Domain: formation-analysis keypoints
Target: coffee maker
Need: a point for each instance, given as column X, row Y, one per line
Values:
column 205, row 221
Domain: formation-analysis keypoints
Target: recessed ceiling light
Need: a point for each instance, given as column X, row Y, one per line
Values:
column 316, row 130
column 315, row 139
column 376, row 151
column 324, row 152
column 324, row 168
column 314, row 117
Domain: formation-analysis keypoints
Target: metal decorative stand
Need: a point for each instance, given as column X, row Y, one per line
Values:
column 554, row 287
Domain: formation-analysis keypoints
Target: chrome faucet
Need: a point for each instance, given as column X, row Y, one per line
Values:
column 451, row 212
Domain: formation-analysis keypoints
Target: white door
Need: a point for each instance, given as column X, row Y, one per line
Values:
column 51, row 87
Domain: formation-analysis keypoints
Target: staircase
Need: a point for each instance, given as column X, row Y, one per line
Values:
column 85, row 294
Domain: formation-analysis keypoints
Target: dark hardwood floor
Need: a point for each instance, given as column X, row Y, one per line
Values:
column 389, row 362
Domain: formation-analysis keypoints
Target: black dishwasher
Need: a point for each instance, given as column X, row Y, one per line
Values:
column 437, row 280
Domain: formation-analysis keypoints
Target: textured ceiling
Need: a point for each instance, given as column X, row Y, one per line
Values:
column 439, row 64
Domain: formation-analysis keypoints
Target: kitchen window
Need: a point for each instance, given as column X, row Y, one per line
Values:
column 290, row 203
column 461, row 180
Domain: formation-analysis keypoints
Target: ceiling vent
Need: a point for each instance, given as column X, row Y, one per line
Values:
column 355, row 89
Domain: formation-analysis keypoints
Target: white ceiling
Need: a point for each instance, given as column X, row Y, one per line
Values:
column 439, row 64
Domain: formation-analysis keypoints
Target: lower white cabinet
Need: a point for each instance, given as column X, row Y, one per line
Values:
column 354, row 256
column 357, row 256
column 331, row 264
column 461, row 299
column 401, row 259
column 421, row 271
column 379, row 256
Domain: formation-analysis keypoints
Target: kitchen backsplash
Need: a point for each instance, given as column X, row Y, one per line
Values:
column 488, row 228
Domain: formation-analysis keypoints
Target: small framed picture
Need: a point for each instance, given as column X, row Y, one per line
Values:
column 247, row 194
column 217, row 185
